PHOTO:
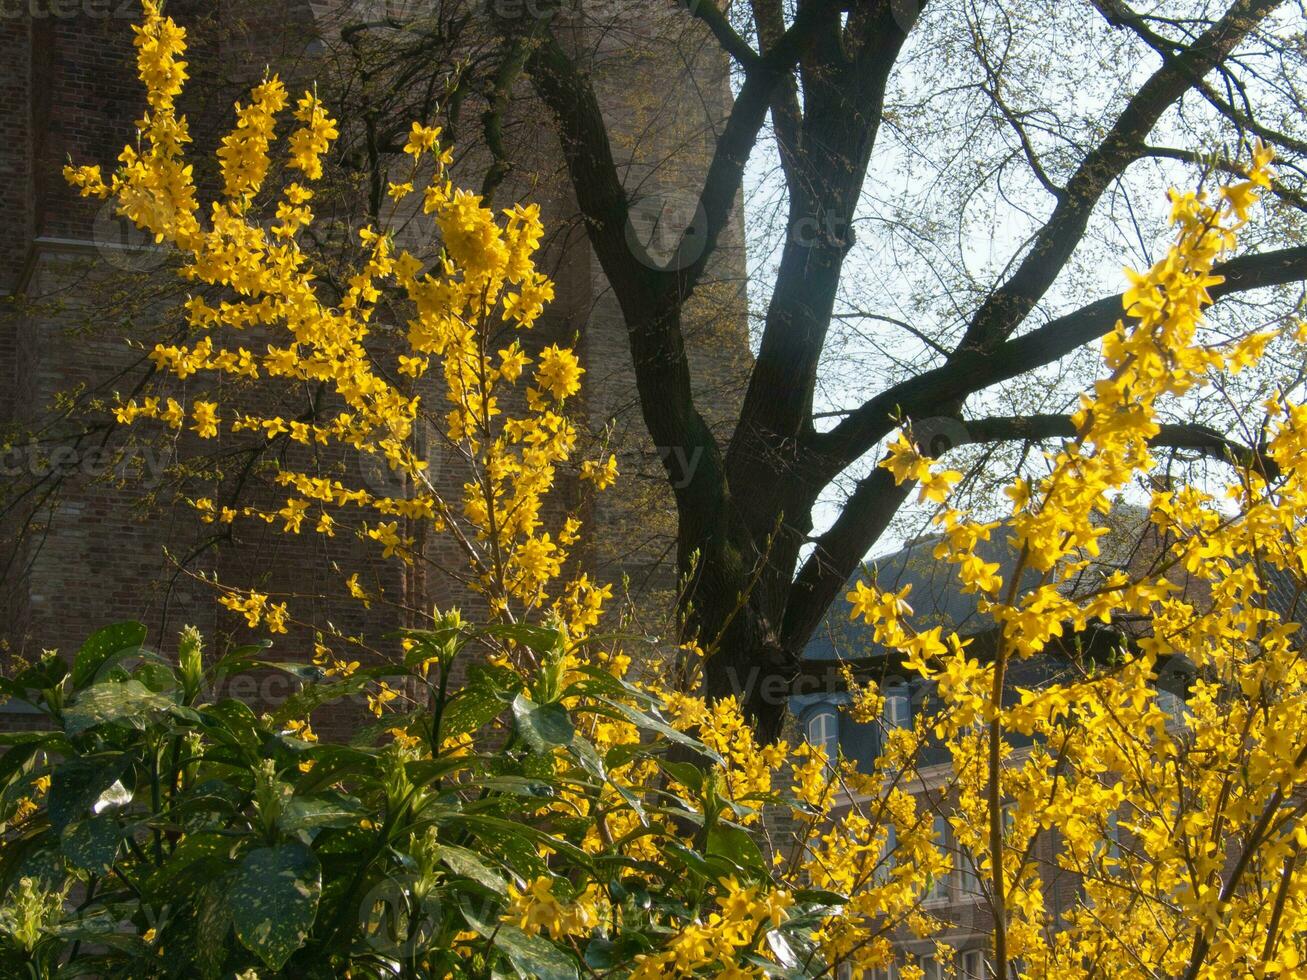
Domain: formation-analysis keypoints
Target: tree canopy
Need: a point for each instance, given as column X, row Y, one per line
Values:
column 944, row 181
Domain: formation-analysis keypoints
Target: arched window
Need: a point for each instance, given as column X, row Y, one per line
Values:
column 939, row 886
column 886, row 864
column 822, row 728
column 898, row 712
column 1173, row 705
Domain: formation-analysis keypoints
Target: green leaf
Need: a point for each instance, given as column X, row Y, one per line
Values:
column 233, row 722
column 488, row 690
column 199, row 851
column 685, row 773
column 42, row 675
column 28, row 738
column 468, row 710
column 212, row 924
column 515, row 851
column 737, row 846
column 480, row 824
column 545, row 727
column 620, row 755
column 467, row 863
column 312, row 696
column 105, row 645
column 111, row 701
column 540, row 639
column 782, row 950
column 598, row 681
column 588, row 756
column 517, row 786
column 532, row 956
column 237, row 661
column 816, row 896
column 15, row 762
column 494, row 677
column 712, row 868
column 599, row 954
column 92, row 845
column 274, row 900
column 651, row 722
column 86, row 786
column 329, row 810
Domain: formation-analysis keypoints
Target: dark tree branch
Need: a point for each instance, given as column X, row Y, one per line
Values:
column 492, row 120
column 1119, row 14
column 901, row 324
column 1199, row 438
column 726, row 35
column 786, row 115
column 652, row 315
column 843, row 105
column 838, row 552
column 1027, row 148
column 876, row 499
column 1008, row 305
column 765, row 76
column 972, row 371
column 1225, row 166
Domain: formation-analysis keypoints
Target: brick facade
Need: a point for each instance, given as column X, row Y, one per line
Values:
column 78, row 284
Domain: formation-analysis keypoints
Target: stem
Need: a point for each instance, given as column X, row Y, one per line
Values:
column 998, row 901
column 1281, row 894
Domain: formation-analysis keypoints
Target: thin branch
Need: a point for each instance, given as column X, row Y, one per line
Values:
column 973, row 371
column 1175, row 435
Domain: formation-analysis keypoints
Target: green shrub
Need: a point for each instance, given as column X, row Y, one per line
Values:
column 153, row 830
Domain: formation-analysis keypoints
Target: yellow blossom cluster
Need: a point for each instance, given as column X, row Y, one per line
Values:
column 262, row 281
column 1169, row 773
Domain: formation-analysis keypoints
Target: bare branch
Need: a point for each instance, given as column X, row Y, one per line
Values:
column 1199, row 438
column 972, row 371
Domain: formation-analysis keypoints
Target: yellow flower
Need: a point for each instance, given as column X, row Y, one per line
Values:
column 388, row 536
column 558, row 372
column 378, row 700
column 357, row 591
column 421, row 139
column 602, row 475
column 206, row 419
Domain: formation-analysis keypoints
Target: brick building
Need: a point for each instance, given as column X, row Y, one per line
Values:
column 90, row 533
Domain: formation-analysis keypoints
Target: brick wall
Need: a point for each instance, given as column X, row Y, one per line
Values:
column 70, row 91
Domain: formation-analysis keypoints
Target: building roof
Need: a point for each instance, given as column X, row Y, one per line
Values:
column 936, row 597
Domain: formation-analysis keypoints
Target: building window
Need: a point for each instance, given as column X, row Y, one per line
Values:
column 974, row 965
column 964, row 862
column 823, row 730
column 886, row 864
column 931, row 968
column 939, row 886
column 890, row 972
column 1111, row 845
column 897, row 706
column 1173, row 705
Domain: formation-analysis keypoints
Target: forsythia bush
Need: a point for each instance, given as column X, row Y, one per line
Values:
column 554, row 816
